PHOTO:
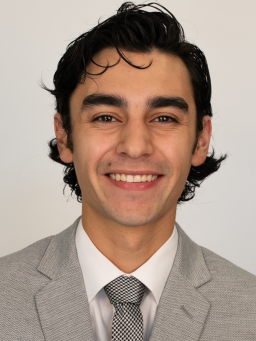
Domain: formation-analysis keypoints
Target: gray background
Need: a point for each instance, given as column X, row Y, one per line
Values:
column 34, row 35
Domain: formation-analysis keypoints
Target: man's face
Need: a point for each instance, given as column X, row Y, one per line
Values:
column 135, row 122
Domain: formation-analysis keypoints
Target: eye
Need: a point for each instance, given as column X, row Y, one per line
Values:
column 165, row 119
column 104, row 119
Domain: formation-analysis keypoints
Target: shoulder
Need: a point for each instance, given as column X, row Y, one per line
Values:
column 30, row 253
column 230, row 287
column 226, row 271
column 19, row 282
column 19, row 269
column 231, row 292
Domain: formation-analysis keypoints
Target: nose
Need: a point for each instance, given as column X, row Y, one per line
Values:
column 135, row 140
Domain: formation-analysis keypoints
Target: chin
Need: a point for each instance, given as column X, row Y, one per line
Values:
column 132, row 220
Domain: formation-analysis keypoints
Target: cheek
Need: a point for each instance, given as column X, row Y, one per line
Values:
column 89, row 149
column 176, row 149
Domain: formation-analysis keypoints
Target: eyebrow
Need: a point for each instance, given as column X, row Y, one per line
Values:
column 102, row 99
column 121, row 102
column 167, row 101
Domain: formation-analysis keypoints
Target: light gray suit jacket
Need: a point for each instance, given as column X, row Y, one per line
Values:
column 43, row 297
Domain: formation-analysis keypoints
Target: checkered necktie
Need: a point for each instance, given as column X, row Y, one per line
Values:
column 126, row 293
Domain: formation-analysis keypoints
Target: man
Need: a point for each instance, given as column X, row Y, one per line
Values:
column 133, row 128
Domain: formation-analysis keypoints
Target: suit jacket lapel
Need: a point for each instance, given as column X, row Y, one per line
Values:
column 182, row 309
column 62, row 304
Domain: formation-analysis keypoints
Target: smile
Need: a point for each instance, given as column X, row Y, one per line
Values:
column 133, row 178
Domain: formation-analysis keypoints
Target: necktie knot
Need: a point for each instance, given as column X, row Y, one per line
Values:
column 125, row 289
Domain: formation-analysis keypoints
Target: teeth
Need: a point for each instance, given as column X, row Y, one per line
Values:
column 136, row 178
column 123, row 177
column 149, row 177
column 144, row 178
column 129, row 178
column 133, row 178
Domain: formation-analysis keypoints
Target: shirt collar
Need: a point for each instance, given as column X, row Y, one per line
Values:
column 98, row 270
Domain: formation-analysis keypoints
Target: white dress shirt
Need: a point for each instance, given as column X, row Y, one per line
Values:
column 98, row 271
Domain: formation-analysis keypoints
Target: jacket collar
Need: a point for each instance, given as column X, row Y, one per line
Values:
column 183, row 310
column 190, row 260
column 63, row 305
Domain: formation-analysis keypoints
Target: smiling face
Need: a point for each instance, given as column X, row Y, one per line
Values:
column 132, row 124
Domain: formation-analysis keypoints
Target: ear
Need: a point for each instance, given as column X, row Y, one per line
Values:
column 61, row 136
column 203, row 142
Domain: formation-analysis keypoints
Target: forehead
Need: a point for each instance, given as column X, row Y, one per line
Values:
column 166, row 76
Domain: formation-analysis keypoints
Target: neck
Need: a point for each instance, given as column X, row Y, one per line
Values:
column 127, row 247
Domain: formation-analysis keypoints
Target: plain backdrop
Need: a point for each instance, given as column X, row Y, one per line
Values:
column 34, row 35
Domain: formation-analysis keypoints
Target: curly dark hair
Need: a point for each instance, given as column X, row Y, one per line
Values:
column 136, row 30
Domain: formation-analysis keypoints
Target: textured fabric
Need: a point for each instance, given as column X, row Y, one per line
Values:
column 43, row 296
column 101, row 310
column 126, row 293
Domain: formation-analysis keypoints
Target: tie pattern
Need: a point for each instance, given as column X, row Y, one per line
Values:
column 126, row 294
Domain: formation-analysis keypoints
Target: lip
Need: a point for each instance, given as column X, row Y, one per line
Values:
column 134, row 186
column 133, row 172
